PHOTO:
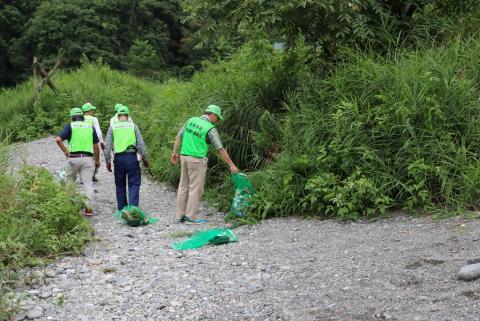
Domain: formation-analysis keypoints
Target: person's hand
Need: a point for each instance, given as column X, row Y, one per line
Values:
column 233, row 169
column 109, row 166
column 102, row 145
column 67, row 154
column 145, row 163
column 174, row 158
column 97, row 164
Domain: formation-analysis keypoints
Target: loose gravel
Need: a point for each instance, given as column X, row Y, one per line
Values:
column 401, row 268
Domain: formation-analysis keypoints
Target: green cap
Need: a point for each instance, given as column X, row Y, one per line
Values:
column 76, row 112
column 216, row 110
column 123, row 110
column 86, row 107
column 117, row 107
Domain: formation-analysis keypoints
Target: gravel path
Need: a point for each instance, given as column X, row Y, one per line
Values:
column 401, row 268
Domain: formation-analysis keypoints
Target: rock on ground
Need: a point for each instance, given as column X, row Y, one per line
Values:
column 400, row 268
column 469, row 272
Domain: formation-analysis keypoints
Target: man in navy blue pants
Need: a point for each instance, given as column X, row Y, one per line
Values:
column 126, row 139
column 126, row 166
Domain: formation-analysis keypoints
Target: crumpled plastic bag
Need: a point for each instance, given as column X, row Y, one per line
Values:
column 134, row 216
column 199, row 239
column 244, row 190
column 61, row 175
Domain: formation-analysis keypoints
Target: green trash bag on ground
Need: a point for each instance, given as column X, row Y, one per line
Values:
column 199, row 239
column 244, row 190
column 133, row 216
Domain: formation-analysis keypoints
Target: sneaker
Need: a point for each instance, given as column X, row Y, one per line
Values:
column 188, row 220
column 94, row 179
column 180, row 220
column 88, row 212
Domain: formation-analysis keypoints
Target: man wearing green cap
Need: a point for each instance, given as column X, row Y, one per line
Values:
column 88, row 110
column 114, row 119
column 82, row 146
column 126, row 140
column 191, row 146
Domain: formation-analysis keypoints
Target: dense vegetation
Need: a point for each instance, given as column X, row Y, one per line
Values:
column 343, row 109
column 347, row 121
column 139, row 36
column 39, row 220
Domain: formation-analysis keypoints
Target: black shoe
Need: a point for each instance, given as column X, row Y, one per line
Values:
column 94, row 179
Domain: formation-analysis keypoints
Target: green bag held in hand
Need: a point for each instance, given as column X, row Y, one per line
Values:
column 133, row 216
column 244, row 190
column 199, row 239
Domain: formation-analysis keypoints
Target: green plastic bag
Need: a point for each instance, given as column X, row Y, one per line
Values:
column 133, row 216
column 244, row 190
column 199, row 239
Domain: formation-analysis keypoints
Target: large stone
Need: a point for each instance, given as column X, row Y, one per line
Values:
column 35, row 313
column 469, row 272
column 50, row 273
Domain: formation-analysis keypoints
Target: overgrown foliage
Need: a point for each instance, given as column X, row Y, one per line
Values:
column 220, row 27
column 93, row 82
column 39, row 220
column 380, row 126
column 106, row 29
column 380, row 133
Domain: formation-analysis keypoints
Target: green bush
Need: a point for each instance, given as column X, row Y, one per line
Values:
column 39, row 220
column 247, row 87
column 380, row 133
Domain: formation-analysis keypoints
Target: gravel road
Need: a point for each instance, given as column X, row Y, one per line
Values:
column 401, row 268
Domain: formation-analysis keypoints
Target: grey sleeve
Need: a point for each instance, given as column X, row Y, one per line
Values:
column 141, row 148
column 109, row 145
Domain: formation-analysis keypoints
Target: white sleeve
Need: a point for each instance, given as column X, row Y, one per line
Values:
column 96, row 125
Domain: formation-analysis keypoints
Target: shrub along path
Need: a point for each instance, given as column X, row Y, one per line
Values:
column 400, row 268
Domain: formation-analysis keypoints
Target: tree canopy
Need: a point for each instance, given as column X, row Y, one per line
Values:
column 104, row 30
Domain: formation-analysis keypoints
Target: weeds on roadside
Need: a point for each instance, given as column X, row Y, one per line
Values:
column 39, row 221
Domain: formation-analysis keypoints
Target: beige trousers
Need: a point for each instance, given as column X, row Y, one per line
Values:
column 83, row 167
column 190, row 189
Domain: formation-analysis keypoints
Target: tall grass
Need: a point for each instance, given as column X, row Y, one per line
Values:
column 353, row 138
column 381, row 133
column 39, row 221
column 95, row 83
column 245, row 87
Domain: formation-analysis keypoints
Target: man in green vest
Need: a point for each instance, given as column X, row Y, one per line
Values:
column 126, row 140
column 191, row 146
column 88, row 110
column 82, row 147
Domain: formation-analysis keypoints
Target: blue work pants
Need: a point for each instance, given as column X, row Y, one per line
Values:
column 126, row 166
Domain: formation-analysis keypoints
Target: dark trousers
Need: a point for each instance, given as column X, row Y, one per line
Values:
column 127, row 167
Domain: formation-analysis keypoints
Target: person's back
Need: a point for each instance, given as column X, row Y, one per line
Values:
column 82, row 146
column 125, row 139
column 191, row 146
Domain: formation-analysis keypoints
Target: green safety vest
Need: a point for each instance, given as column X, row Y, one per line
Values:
column 82, row 137
column 123, row 136
column 194, row 142
column 88, row 119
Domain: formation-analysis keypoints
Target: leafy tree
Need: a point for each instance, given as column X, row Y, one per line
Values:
column 98, row 29
column 326, row 24
column 143, row 60
column 14, row 16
